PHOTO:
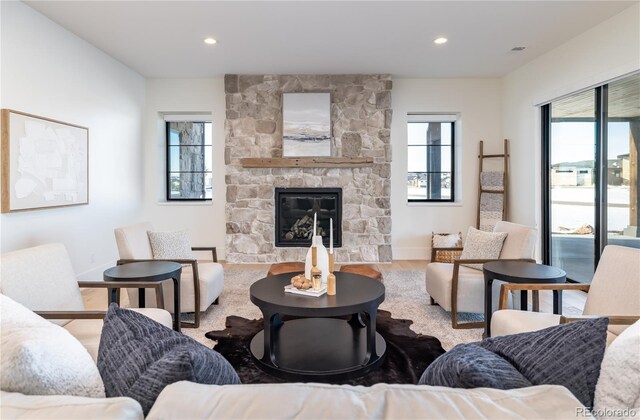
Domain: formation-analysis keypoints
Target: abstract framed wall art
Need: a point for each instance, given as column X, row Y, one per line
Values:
column 45, row 163
column 306, row 124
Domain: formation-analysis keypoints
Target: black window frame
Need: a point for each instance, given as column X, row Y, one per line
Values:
column 168, row 170
column 451, row 199
column 600, row 173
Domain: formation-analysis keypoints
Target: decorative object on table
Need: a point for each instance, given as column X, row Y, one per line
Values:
column 492, row 190
column 153, row 356
column 569, row 355
column 446, row 247
column 331, row 278
column 306, row 292
column 316, row 274
column 45, row 163
column 408, row 353
column 306, row 124
column 323, row 255
column 299, row 282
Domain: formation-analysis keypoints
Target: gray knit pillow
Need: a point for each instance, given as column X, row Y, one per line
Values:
column 482, row 246
column 138, row 357
column 471, row 366
column 170, row 245
column 569, row 355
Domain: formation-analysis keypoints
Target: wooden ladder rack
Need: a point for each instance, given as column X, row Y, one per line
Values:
column 482, row 157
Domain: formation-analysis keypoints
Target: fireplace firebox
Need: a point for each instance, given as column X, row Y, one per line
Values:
column 294, row 215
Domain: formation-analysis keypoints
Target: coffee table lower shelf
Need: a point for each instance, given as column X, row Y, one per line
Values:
column 318, row 349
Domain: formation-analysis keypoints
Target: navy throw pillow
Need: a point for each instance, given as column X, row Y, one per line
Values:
column 471, row 366
column 569, row 355
column 138, row 357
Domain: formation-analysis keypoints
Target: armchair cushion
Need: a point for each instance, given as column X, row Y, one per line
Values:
column 509, row 321
column 88, row 331
column 482, row 246
column 138, row 357
column 42, row 358
column 170, row 245
column 520, row 241
column 133, row 241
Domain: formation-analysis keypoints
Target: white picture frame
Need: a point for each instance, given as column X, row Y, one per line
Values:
column 45, row 162
column 306, row 124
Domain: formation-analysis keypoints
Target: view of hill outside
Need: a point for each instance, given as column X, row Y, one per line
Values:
column 573, row 174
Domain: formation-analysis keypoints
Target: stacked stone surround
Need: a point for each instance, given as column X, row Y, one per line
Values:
column 361, row 121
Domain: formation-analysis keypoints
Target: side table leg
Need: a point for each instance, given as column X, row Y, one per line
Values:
column 141, row 303
column 557, row 302
column 176, row 304
column 488, row 306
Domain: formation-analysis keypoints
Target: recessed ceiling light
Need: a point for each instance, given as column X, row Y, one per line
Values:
column 210, row 41
column 440, row 40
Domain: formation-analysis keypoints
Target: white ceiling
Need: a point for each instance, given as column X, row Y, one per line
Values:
column 164, row 38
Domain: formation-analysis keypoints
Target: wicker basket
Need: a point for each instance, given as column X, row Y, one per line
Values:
column 445, row 255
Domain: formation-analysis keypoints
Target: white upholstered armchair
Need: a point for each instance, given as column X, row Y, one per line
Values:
column 458, row 288
column 614, row 292
column 42, row 279
column 201, row 282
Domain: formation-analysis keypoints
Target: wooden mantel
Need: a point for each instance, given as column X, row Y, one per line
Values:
column 307, row 162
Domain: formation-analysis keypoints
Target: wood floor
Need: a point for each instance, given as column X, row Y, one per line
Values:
column 572, row 301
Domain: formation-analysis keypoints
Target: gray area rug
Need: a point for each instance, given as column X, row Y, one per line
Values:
column 405, row 298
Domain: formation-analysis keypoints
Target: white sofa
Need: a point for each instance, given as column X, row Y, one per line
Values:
column 187, row 400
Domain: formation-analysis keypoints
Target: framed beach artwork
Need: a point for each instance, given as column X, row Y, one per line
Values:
column 45, row 163
column 306, row 124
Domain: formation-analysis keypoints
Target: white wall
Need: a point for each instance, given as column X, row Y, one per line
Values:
column 48, row 71
column 205, row 221
column 606, row 51
column 478, row 101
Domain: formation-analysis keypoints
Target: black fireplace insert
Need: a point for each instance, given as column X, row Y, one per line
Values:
column 295, row 208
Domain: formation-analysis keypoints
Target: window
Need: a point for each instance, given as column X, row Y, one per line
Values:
column 590, row 185
column 430, row 157
column 189, row 160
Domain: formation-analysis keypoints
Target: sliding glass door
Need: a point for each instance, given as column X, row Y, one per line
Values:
column 590, row 179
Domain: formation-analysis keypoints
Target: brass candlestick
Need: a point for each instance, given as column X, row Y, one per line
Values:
column 331, row 278
column 316, row 273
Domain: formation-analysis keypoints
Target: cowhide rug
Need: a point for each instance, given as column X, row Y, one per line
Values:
column 408, row 353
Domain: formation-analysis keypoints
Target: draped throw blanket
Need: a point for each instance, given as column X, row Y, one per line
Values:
column 491, row 203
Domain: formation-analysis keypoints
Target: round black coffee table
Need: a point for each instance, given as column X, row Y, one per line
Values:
column 519, row 272
column 316, row 346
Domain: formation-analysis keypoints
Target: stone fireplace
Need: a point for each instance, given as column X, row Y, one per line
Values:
column 360, row 124
column 295, row 209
